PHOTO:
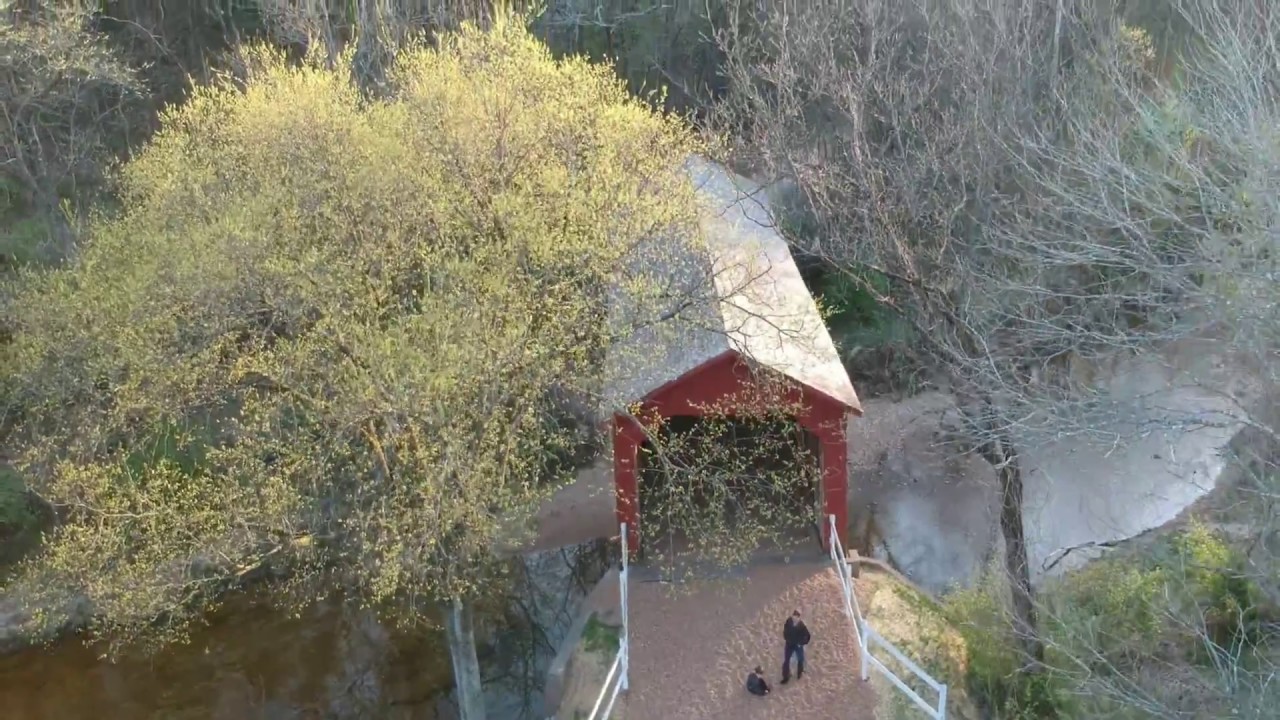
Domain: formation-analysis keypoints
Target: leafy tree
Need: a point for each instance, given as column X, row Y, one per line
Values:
column 717, row 487
column 333, row 340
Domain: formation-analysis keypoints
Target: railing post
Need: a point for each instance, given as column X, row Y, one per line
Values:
column 942, row 703
column 865, row 641
column 623, row 583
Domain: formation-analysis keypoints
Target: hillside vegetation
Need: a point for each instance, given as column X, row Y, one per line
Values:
column 1175, row 624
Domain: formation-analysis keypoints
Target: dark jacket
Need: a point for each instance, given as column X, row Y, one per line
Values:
column 794, row 632
column 756, row 685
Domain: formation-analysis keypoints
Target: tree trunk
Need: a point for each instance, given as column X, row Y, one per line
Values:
column 466, row 666
column 998, row 450
column 1010, row 473
column 372, row 52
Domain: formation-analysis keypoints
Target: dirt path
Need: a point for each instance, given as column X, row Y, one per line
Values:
column 578, row 512
column 691, row 651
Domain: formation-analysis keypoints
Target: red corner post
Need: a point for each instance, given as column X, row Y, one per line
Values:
column 835, row 477
column 627, row 438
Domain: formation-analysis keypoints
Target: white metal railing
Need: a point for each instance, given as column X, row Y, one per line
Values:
column 868, row 637
column 845, row 574
column 617, row 680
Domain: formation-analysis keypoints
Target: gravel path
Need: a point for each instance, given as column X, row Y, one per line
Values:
column 692, row 647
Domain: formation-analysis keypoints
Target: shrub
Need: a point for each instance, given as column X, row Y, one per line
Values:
column 1111, row 608
column 996, row 673
column 598, row 637
column 1210, row 575
column 1124, row 627
column 15, row 508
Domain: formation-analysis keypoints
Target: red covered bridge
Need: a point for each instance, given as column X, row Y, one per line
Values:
column 754, row 322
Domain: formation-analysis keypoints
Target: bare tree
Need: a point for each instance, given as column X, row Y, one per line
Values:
column 68, row 104
column 1041, row 186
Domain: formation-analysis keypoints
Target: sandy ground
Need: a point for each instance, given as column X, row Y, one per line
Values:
column 693, row 645
column 579, row 512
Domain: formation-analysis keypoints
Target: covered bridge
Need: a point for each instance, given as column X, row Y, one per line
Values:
column 745, row 317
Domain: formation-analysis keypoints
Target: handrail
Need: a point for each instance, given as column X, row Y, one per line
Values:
column 617, row 679
column 621, row 666
column 912, row 695
column 880, row 640
column 852, row 608
column 608, row 682
column 867, row 637
column 623, row 654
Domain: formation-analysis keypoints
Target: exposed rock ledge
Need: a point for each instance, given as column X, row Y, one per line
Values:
column 934, row 515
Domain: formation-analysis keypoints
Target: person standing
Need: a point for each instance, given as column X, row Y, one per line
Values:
column 795, row 635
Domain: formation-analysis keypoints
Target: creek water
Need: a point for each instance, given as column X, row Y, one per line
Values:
column 251, row 661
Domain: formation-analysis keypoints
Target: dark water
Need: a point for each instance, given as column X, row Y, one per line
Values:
column 251, row 662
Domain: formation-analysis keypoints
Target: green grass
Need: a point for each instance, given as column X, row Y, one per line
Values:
column 24, row 242
column 600, row 637
column 854, row 313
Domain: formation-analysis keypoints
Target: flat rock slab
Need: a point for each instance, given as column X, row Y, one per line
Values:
column 693, row 644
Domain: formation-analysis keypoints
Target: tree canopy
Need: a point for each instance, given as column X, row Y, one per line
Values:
column 333, row 336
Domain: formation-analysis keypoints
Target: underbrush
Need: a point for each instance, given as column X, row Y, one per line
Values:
column 19, row 520
column 599, row 637
column 874, row 342
column 1179, row 629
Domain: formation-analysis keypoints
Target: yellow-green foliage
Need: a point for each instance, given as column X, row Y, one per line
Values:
column 15, row 512
column 996, row 673
column 738, row 477
column 1209, row 576
column 1115, row 624
column 1114, row 609
column 329, row 334
column 978, row 613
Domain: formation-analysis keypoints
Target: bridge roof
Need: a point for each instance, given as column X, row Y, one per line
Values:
column 739, row 291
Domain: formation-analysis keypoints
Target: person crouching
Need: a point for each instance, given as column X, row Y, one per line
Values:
column 756, row 684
